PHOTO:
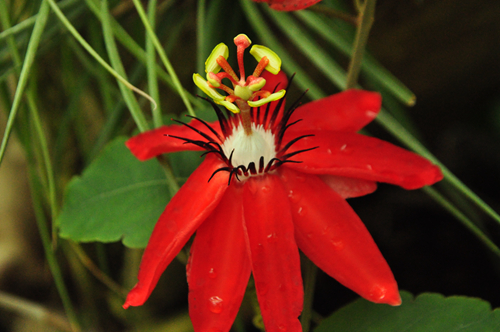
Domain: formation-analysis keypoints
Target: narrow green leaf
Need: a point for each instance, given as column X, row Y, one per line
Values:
column 305, row 43
column 163, row 56
column 151, row 67
column 117, row 197
column 398, row 131
column 428, row 312
column 116, row 62
column 336, row 37
column 64, row 20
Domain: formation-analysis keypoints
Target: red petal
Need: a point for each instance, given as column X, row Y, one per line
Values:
column 329, row 232
column 154, row 142
column 289, row 5
column 357, row 156
column 349, row 187
column 350, row 110
column 274, row 253
column 192, row 204
column 278, row 81
column 219, row 266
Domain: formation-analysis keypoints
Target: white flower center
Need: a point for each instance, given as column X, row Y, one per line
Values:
column 250, row 148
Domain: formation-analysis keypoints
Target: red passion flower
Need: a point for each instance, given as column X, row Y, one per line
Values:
column 274, row 181
column 289, row 5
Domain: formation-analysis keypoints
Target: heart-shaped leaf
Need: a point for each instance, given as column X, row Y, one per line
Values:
column 117, row 197
column 428, row 312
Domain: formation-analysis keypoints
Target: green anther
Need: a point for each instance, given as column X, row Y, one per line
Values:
column 257, row 85
column 203, row 85
column 230, row 106
column 211, row 65
column 273, row 97
column 259, row 51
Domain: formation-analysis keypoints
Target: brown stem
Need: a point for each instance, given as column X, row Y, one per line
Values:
column 334, row 13
column 365, row 19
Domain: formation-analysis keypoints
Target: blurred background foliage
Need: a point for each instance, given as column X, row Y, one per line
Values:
column 444, row 52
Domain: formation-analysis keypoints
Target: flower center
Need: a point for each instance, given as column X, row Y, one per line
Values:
column 243, row 149
column 246, row 92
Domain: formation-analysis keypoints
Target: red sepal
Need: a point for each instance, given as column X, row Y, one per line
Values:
column 154, row 142
column 358, row 156
column 192, row 204
column 349, row 187
column 273, row 253
column 219, row 266
column 289, row 5
column 350, row 111
column 330, row 233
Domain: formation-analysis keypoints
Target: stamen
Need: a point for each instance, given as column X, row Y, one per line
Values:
column 227, row 67
column 226, row 89
column 260, row 66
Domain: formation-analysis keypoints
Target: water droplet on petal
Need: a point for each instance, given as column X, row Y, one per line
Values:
column 371, row 114
column 294, row 197
column 265, row 189
column 282, row 328
column 328, row 151
column 378, row 292
column 337, row 244
column 369, row 167
column 345, row 149
column 302, row 211
column 271, row 237
column 212, row 274
column 300, row 177
column 215, row 304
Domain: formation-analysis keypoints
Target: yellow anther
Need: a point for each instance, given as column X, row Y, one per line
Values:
column 274, row 65
column 211, row 65
column 272, row 97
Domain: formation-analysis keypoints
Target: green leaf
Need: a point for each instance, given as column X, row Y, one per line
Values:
column 117, row 197
column 428, row 312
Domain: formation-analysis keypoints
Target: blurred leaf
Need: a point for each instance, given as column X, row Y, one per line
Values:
column 428, row 312
column 117, row 197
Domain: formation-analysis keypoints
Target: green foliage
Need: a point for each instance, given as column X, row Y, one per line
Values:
column 428, row 312
column 117, row 197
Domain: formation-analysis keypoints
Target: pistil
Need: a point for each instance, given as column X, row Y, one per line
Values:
column 245, row 117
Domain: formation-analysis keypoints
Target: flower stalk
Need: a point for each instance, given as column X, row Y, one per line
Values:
column 364, row 24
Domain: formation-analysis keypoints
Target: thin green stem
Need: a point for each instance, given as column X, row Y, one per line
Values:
column 27, row 23
column 49, row 253
column 34, row 311
column 365, row 19
column 173, row 185
column 96, row 272
column 116, row 62
column 463, row 219
column 163, row 56
column 309, row 284
column 141, row 121
column 334, row 13
column 26, row 66
column 23, row 79
column 200, row 36
column 398, row 131
column 151, row 67
column 131, row 45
